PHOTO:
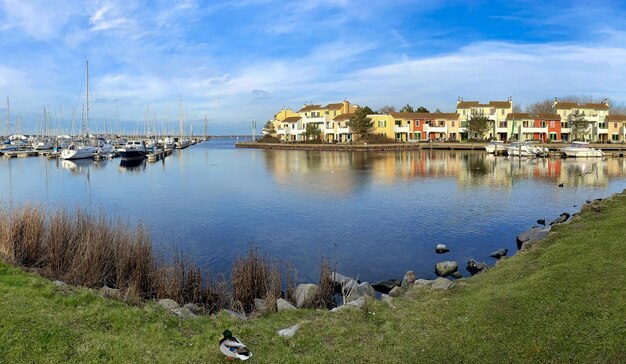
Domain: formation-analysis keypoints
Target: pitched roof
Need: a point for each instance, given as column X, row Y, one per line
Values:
column 291, row 119
column 336, row 106
column 310, row 107
column 615, row 117
column 518, row 115
column 549, row 116
column 501, row 104
column 469, row 104
column 424, row 115
column 466, row 104
column 595, row 106
column 343, row 117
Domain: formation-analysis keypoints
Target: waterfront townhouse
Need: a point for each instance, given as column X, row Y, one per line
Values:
column 414, row 127
column 616, row 125
column 383, row 124
column 284, row 122
column 542, row 127
column 330, row 119
column 595, row 113
column 496, row 111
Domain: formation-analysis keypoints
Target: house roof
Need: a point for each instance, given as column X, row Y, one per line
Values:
column 424, row 115
column 310, row 107
column 343, row 117
column 595, row 106
column 589, row 105
column 566, row 105
column 615, row 117
column 469, row 104
column 291, row 119
column 336, row 106
column 518, row 115
column 549, row 116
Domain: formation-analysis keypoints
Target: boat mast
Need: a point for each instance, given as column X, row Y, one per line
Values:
column 8, row 118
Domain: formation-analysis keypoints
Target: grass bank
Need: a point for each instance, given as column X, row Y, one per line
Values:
column 562, row 301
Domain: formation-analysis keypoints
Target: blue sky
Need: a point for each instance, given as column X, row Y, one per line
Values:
column 242, row 60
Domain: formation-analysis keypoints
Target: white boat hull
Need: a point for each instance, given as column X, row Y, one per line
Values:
column 83, row 153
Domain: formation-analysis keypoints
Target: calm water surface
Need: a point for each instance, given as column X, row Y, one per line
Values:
column 375, row 215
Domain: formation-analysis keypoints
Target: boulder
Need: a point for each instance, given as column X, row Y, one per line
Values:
column 360, row 291
column 386, row 286
column 534, row 234
column 342, row 281
column 236, row 315
column 561, row 219
column 352, row 304
column 441, row 249
column 446, row 268
column 183, row 312
column 108, row 292
column 456, row 275
column 196, row 309
column 500, row 253
column 442, row 284
column 423, row 283
column 283, row 305
column 305, row 295
column 387, row 299
column 63, row 284
column 541, row 222
column 167, row 303
column 408, row 280
column 397, row 292
column 475, row 267
column 289, row 332
column 260, row 305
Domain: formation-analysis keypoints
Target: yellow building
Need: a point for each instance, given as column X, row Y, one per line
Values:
column 382, row 125
column 595, row 113
column 616, row 125
column 330, row 119
column 284, row 118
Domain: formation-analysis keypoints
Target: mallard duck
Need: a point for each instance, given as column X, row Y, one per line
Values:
column 233, row 348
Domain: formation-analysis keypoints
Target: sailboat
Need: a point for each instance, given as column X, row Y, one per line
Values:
column 82, row 149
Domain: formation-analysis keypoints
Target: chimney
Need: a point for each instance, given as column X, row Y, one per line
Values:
column 346, row 107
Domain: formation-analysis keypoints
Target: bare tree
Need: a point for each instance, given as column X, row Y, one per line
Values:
column 517, row 108
column 541, row 107
column 387, row 109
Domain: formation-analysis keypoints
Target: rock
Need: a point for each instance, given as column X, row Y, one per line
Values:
column 442, row 284
column 108, row 292
column 534, row 234
column 342, row 281
column 236, row 315
column 387, row 299
column 422, row 283
column 168, row 304
column 561, row 219
column 63, row 284
column 441, row 248
column 289, row 332
column 541, row 222
column 183, row 312
column 352, row 304
column 408, row 280
column 362, row 290
column 305, row 295
column 196, row 309
column 456, row 275
column 475, row 267
column 283, row 305
column 500, row 253
column 397, row 292
column 260, row 305
column 446, row 268
column 386, row 286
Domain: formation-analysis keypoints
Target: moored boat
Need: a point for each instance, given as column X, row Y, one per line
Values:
column 581, row 150
column 133, row 150
column 493, row 145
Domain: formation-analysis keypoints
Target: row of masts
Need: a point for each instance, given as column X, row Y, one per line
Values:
column 43, row 124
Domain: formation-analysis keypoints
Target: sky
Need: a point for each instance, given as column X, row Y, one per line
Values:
column 238, row 61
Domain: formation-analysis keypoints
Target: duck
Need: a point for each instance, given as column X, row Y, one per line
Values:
column 233, row 348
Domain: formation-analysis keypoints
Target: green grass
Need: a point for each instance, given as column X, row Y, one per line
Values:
column 562, row 301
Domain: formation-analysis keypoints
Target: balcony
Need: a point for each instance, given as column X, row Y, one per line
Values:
column 282, row 131
column 343, row 130
column 316, row 119
column 533, row 129
column 435, row 129
column 401, row 129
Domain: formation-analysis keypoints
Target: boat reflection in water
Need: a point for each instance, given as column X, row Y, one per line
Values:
column 79, row 166
column 133, row 165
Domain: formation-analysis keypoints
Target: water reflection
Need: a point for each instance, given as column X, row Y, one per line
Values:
column 132, row 166
column 82, row 166
column 344, row 173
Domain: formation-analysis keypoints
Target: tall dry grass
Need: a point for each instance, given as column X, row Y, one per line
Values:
column 326, row 293
column 255, row 276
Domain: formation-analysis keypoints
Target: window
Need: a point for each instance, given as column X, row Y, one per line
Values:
column 453, row 136
column 463, row 112
column 417, row 123
column 552, row 123
column 615, row 125
column 453, row 124
column 325, row 112
column 615, row 137
column 553, row 136
column 398, row 122
column 563, row 124
column 543, row 124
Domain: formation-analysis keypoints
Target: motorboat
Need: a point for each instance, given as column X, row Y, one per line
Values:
column 44, row 144
column 133, row 150
column 78, row 150
column 493, row 145
column 520, row 149
column 581, row 150
column 182, row 143
column 168, row 143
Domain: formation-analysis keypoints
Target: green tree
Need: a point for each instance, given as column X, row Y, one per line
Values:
column 312, row 130
column 422, row 109
column 479, row 124
column 387, row 109
column 359, row 122
column 579, row 126
column 269, row 128
column 407, row 108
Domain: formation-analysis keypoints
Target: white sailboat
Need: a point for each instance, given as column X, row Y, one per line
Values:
column 81, row 149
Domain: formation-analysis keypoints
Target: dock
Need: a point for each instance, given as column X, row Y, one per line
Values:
column 153, row 157
column 21, row 154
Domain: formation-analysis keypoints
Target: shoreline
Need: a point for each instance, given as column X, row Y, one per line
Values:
column 620, row 148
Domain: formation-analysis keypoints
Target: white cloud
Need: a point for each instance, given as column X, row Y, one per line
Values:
column 39, row 19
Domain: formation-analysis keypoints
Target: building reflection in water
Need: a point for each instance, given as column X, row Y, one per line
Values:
column 343, row 173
